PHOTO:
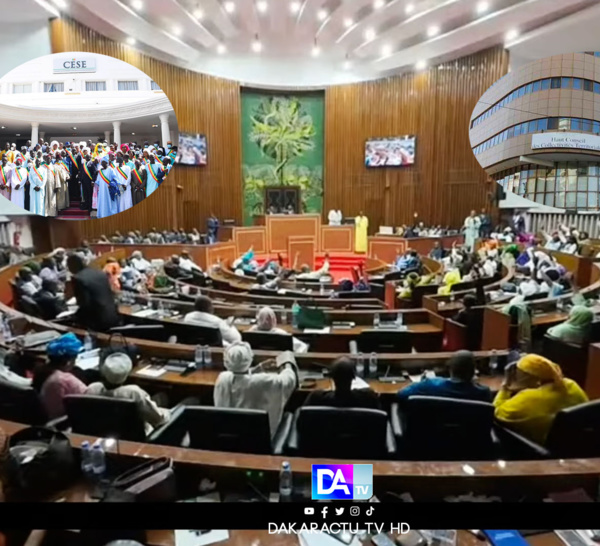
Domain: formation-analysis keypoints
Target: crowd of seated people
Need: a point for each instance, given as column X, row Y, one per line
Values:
column 156, row 237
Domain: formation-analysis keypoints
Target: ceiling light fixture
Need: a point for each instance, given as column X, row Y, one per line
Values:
column 348, row 22
column 229, row 7
column 347, row 65
column 370, row 34
column 316, row 51
column 378, row 4
column 433, row 30
column 60, row 4
column 137, row 4
column 421, row 65
column 131, row 41
column 322, row 14
column 176, row 31
column 74, row 128
column 155, row 126
column 262, row 6
column 386, row 50
column 511, row 35
column 198, row 14
column 18, row 134
column 256, row 45
column 3, row 127
column 221, row 49
column 482, row 7
column 295, row 7
column 133, row 133
column 409, row 8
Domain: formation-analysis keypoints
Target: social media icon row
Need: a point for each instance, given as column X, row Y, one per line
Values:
column 354, row 511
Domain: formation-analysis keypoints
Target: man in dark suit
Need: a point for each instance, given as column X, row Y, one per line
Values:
column 97, row 308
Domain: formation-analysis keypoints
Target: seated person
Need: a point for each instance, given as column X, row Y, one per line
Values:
column 550, row 283
column 343, row 395
column 139, row 262
column 461, row 383
column 246, row 262
column 307, row 274
column 533, row 392
column 27, row 283
column 490, row 266
column 49, row 301
column 204, row 316
column 450, row 279
column 464, row 315
column 49, row 270
column 576, row 329
column 528, row 286
column 187, row 264
column 410, row 260
column 130, row 239
column 54, row 379
column 266, row 322
column 406, row 288
column 113, row 272
column 115, row 370
column 437, row 252
column 552, row 242
column 265, row 387
column 263, row 284
column 131, row 279
column 520, row 316
column 157, row 281
column 173, row 268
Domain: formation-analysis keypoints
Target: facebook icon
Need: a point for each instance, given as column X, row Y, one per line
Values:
column 342, row 481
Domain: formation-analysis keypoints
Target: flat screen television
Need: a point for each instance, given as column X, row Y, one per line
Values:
column 390, row 152
column 192, row 149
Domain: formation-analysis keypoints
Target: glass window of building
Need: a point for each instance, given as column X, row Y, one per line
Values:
column 127, row 86
column 555, row 83
column 549, row 200
column 596, row 127
column 588, row 85
column 570, row 200
column 54, row 87
column 593, row 184
column 537, row 86
column 521, row 92
column 529, row 89
column 593, row 169
column 564, row 123
column 586, row 125
column 577, row 83
column 596, row 87
column 576, row 124
column 95, row 86
column 21, row 88
column 154, row 86
column 581, row 200
column 545, row 84
column 559, row 200
column 552, row 123
column 550, row 183
column 592, row 200
column 565, row 83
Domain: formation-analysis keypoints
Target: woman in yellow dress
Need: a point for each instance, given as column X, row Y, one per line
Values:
column 361, row 225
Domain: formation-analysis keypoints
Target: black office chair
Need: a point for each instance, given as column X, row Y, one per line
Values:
column 444, row 429
column 150, row 332
column 269, row 342
column 105, row 417
column 228, row 429
column 575, row 433
column 382, row 341
column 29, row 306
column 341, row 433
column 21, row 405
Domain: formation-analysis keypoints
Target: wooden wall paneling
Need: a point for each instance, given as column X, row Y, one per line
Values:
column 305, row 247
column 202, row 104
column 280, row 227
column 246, row 237
column 337, row 238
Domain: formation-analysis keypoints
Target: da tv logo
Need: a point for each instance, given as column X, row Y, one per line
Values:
column 342, row 481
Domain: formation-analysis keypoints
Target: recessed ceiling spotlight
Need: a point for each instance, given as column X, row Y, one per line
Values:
column 61, row 4
column 433, row 30
column 370, row 34
column 131, row 40
column 295, row 7
column 198, row 14
column 316, row 51
column 386, row 50
column 3, row 127
column 410, row 7
column 322, row 14
column 155, row 126
column 133, row 133
column 378, row 4
column 229, row 7
column 176, row 31
column 348, row 22
column 511, row 35
column 262, row 6
column 347, row 65
column 421, row 65
column 256, row 46
column 221, row 49
column 74, row 128
column 18, row 134
column 137, row 4
column 482, row 7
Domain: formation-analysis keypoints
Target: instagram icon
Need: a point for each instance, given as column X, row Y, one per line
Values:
column 342, row 481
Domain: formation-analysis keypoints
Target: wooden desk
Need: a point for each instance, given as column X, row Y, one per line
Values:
column 385, row 247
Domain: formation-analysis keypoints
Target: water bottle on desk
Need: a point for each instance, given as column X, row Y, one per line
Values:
column 285, row 482
column 376, row 320
column 560, row 305
column 207, row 357
column 199, row 357
column 360, row 365
column 373, row 364
column 295, row 313
column 399, row 321
column 494, row 362
column 283, row 316
column 86, row 459
column 322, row 288
column 88, row 344
column 98, row 461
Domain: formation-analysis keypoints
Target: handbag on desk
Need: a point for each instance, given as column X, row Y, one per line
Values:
column 152, row 481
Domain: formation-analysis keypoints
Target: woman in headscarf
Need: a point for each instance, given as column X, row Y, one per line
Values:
column 405, row 290
column 533, row 392
column 266, row 387
column 577, row 327
column 520, row 316
column 510, row 255
column 54, row 380
column 266, row 322
column 113, row 272
column 450, row 279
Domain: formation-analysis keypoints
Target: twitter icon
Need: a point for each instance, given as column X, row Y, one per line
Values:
column 339, row 511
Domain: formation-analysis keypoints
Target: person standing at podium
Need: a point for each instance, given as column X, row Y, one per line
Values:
column 361, row 225
column 335, row 217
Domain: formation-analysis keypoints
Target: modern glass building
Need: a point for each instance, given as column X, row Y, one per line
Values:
column 537, row 131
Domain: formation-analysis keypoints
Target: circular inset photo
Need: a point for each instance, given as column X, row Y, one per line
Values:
column 536, row 131
column 83, row 136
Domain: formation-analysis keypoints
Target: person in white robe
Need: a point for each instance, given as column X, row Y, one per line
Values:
column 6, row 168
column 37, row 190
column 204, row 315
column 335, row 217
column 123, row 174
column 63, row 175
column 52, row 187
column 266, row 387
column 18, row 179
column 471, row 227
column 139, row 262
column 107, row 206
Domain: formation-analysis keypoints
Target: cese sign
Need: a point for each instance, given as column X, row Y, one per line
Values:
column 64, row 65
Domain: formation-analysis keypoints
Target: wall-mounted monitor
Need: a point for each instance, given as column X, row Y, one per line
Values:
column 390, row 152
column 192, row 149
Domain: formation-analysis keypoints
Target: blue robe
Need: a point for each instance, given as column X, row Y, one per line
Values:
column 106, row 206
column 37, row 200
column 213, row 228
column 151, row 184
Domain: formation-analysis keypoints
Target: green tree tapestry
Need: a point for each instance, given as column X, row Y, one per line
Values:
column 282, row 145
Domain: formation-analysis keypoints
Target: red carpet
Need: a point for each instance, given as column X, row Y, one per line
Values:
column 74, row 212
